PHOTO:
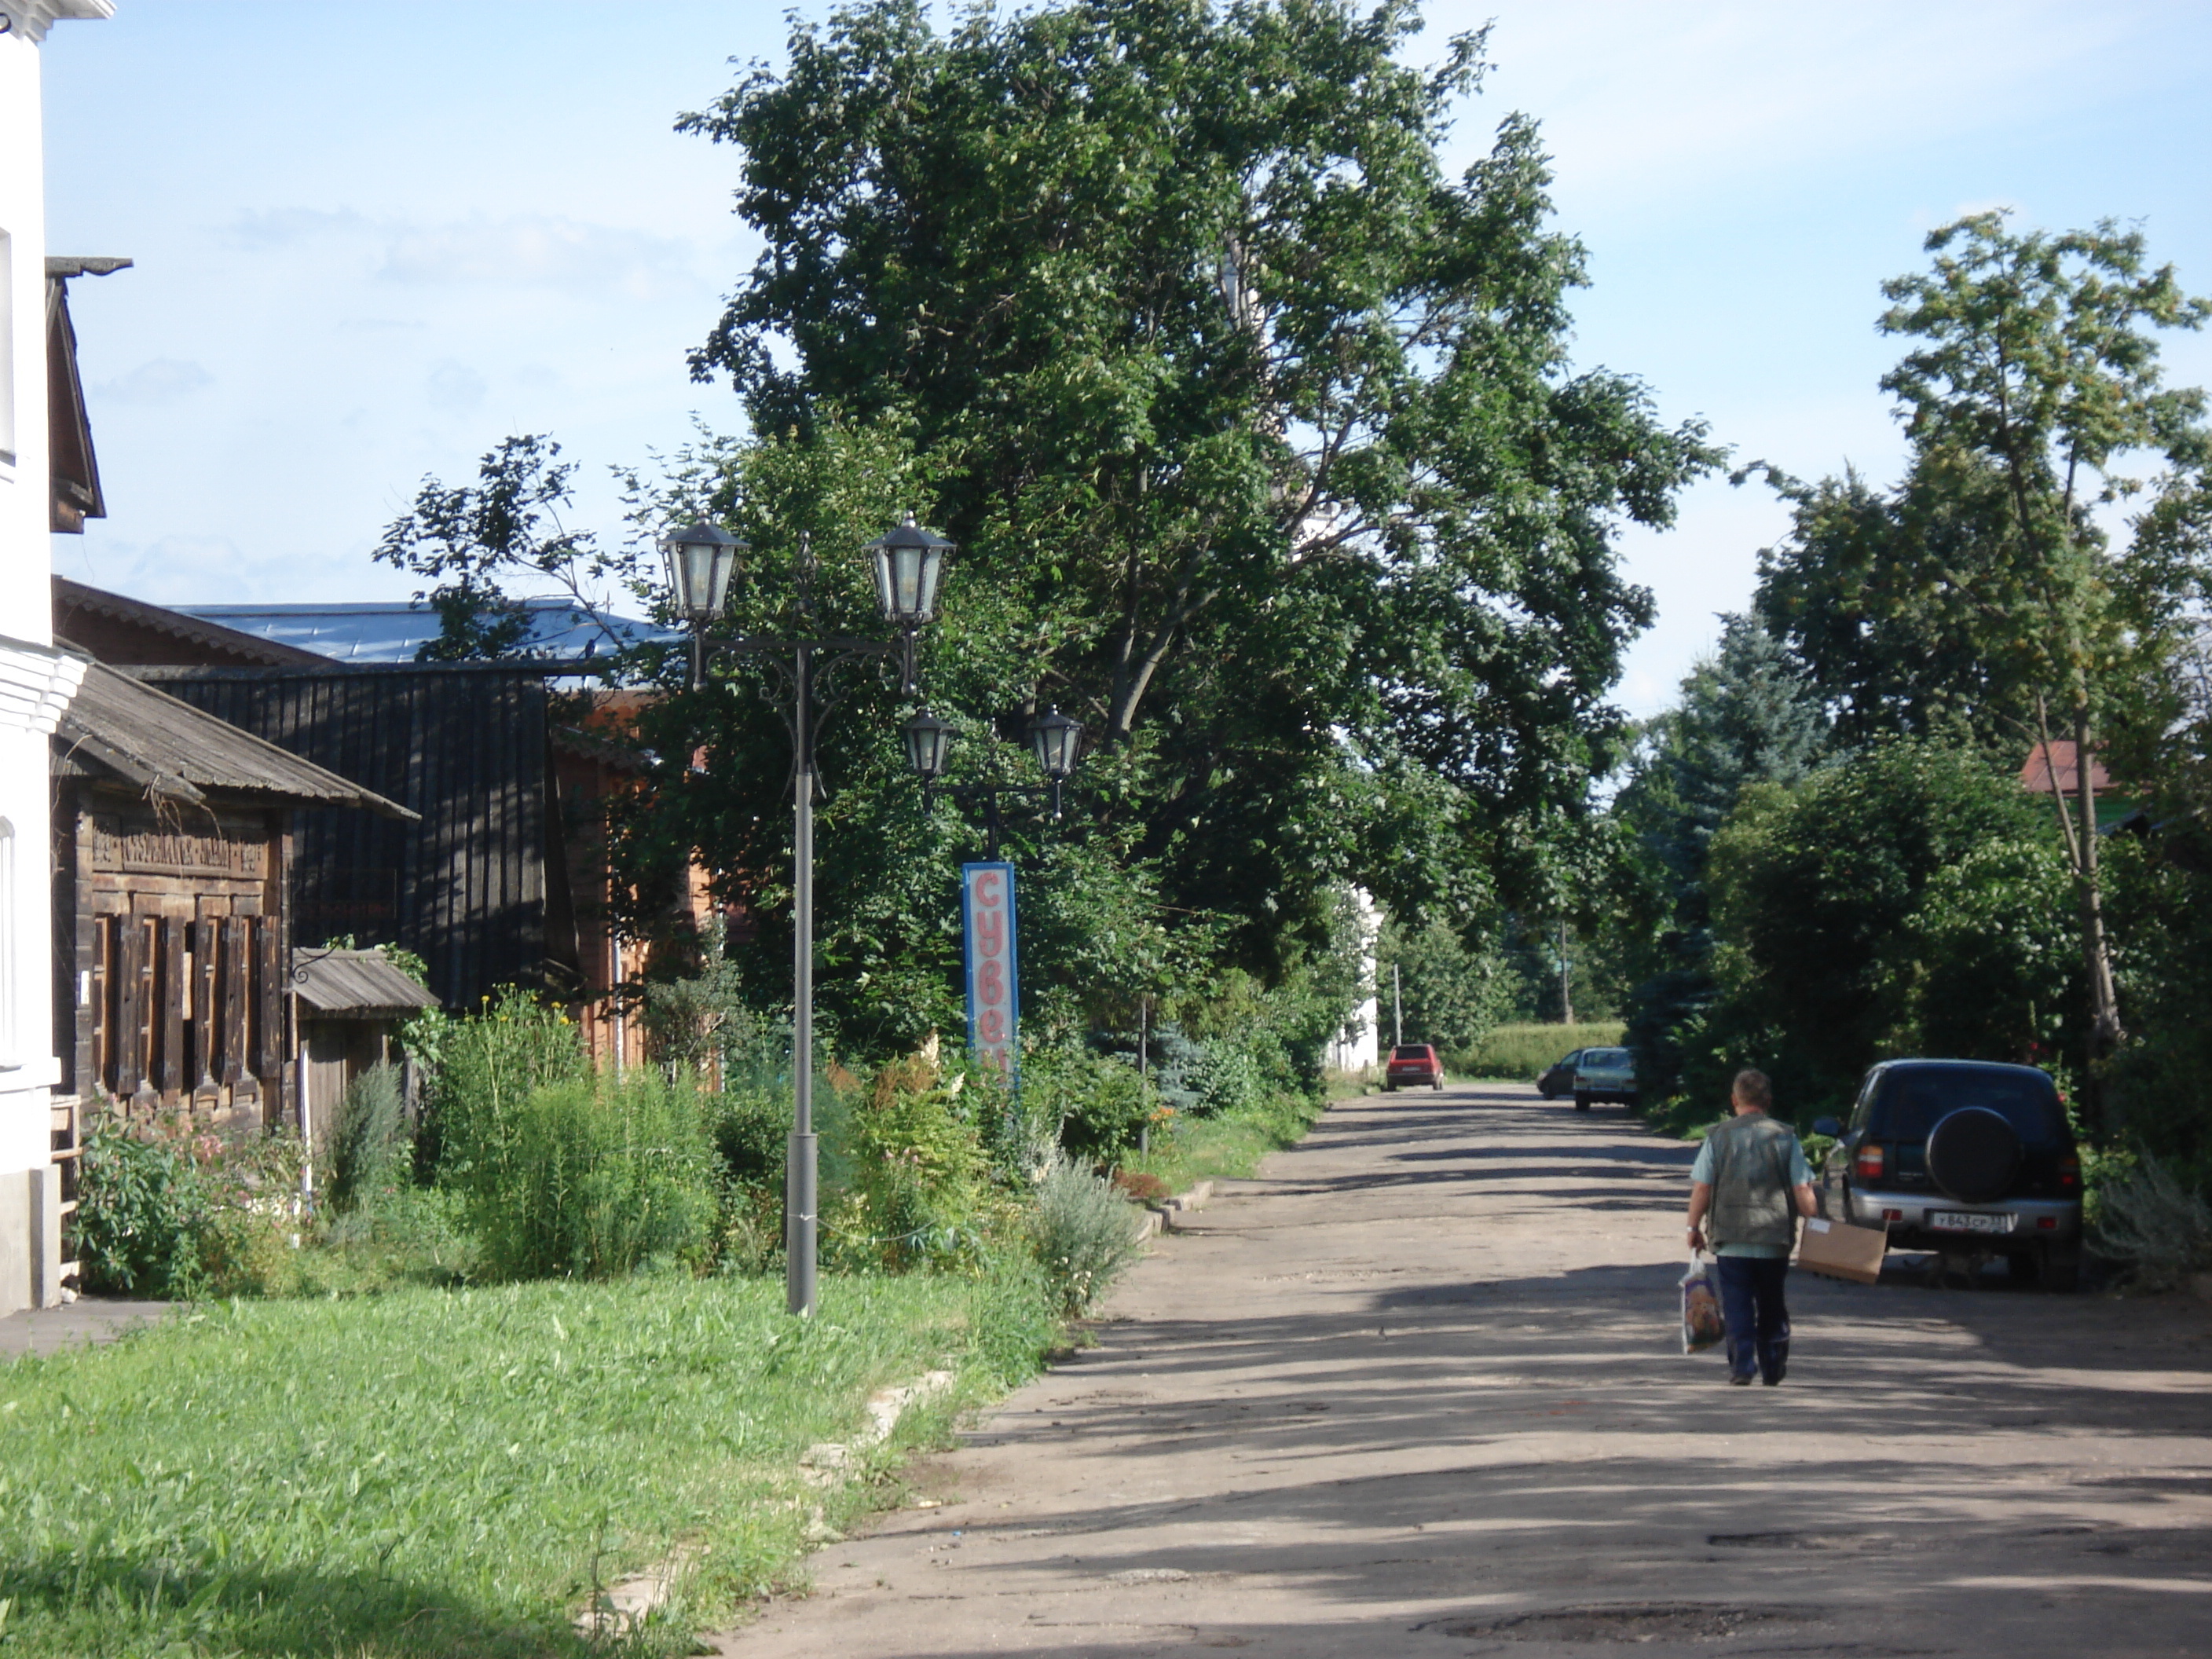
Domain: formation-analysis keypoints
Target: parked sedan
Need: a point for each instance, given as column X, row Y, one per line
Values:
column 1561, row 1079
column 1962, row 1156
column 1605, row 1074
column 1412, row 1063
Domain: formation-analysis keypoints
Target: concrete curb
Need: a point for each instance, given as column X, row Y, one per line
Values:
column 1169, row 1211
column 623, row 1608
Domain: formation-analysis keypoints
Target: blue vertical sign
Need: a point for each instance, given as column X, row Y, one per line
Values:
column 986, row 918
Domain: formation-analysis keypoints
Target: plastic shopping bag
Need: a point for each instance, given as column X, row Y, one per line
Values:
column 1702, row 1325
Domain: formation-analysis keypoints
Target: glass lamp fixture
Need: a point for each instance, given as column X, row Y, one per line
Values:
column 909, row 562
column 702, row 559
column 927, row 740
column 1057, row 740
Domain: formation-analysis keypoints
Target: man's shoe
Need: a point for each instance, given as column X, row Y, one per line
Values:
column 1771, row 1380
column 1741, row 1380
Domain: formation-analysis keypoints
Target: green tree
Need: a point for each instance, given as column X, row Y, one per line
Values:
column 1257, row 430
column 2162, row 1080
column 470, row 542
column 1905, row 899
column 1850, row 593
column 1453, row 990
column 1747, row 716
column 2038, row 361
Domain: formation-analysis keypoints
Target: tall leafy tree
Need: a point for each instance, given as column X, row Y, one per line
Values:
column 1849, row 593
column 1747, row 717
column 470, row 542
column 2037, row 359
column 1258, row 430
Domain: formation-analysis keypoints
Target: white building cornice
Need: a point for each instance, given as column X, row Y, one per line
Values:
column 31, row 18
column 36, row 684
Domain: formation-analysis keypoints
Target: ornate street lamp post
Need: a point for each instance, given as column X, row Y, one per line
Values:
column 910, row 563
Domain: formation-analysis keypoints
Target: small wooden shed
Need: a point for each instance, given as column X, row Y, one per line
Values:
column 173, row 948
column 351, row 1004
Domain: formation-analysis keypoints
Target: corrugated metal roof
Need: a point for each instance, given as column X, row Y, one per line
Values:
column 359, row 984
column 151, row 740
column 560, row 628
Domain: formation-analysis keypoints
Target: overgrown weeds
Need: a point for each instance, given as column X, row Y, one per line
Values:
column 589, row 1177
column 2155, row 1226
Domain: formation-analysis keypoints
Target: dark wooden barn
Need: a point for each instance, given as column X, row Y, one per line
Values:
column 173, row 852
column 479, row 887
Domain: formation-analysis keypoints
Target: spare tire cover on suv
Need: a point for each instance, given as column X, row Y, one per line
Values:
column 1973, row 1154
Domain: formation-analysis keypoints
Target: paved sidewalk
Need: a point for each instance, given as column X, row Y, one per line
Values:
column 88, row 1320
column 1419, row 1391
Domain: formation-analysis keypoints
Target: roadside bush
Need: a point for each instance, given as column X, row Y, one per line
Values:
column 170, row 1214
column 917, row 1171
column 367, row 1150
column 587, row 1178
column 1097, row 1101
column 1083, row 1233
column 2155, row 1226
column 1229, row 1078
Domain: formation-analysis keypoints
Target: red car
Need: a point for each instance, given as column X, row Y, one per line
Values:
column 1411, row 1063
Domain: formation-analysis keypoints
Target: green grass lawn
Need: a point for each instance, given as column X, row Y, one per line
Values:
column 448, row 1472
column 1213, row 1148
column 1520, row 1052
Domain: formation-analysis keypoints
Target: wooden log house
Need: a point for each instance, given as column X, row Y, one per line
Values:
column 172, row 938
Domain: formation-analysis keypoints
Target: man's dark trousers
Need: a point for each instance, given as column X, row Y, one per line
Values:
column 1757, row 1321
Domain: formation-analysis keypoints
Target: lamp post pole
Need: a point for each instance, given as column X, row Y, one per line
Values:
column 801, row 1166
column 908, row 562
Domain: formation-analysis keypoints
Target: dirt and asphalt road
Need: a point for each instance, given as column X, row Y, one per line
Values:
column 1419, row 1390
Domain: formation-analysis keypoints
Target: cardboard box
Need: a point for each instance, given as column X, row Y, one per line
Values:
column 1841, row 1250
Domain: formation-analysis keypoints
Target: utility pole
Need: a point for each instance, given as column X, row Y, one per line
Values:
column 1397, row 1009
column 1566, row 981
column 1144, row 1032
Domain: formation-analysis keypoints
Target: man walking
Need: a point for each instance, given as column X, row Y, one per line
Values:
column 1750, row 1175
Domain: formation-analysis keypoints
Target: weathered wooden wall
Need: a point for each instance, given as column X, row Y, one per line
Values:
column 181, row 956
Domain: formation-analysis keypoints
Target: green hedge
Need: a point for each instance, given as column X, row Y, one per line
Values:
column 1523, row 1051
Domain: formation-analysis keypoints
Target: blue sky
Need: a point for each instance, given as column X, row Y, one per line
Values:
column 372, row 240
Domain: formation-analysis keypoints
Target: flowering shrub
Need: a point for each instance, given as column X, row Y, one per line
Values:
column 171, row 1210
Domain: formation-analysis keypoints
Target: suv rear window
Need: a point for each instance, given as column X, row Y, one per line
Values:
column 1410, row 1051
column 1596, row 1057
column 1913, row 1099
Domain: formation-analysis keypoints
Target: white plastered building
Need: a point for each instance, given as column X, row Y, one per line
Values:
column 1358, row 1047
column 36, row 682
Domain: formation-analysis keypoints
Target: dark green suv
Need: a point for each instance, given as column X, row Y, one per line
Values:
column 1964, row 1157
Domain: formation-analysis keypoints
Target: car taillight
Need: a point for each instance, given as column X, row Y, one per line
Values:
column 1866, row 1163
column 2069, row 1173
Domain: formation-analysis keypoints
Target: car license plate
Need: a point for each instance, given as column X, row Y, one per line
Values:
column 1967, row 1221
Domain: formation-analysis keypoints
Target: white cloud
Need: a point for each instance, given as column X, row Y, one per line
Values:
column 551, row 252
column 164, row 380
column 283, row 227
column 530, row 250
column 455, row 387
